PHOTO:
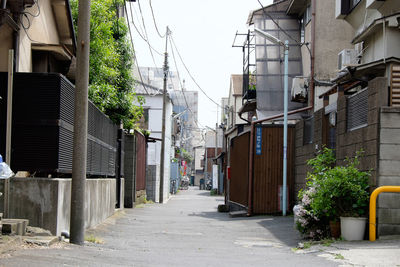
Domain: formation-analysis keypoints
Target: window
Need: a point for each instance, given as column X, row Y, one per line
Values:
column 357, row 110
column 308, row 133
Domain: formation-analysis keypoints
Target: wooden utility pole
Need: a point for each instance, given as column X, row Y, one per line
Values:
column 162, row 156
column 80, row 127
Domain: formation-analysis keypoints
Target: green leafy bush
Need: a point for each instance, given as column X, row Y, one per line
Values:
column 111, row 82
column 332, row 191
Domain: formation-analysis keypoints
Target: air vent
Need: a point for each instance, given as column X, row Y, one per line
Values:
column 395, row 86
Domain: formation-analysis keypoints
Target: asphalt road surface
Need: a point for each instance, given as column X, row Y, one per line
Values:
column 186, row 231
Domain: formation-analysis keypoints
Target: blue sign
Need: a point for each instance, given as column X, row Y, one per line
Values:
column 258, row 140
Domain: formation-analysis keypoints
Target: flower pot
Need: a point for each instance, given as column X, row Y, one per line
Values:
column 334, row 227
column 352, row 228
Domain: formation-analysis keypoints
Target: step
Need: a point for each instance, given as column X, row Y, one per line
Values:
column 239, row 213
column 45, row 241
column 14, row 226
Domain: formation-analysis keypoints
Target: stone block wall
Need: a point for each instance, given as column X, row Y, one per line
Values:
column 304, row 152
column 389, row 172
column 153, row 182
column 366, row 138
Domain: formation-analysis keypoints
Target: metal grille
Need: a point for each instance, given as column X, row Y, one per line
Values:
column 43, row 117
column 357, row 110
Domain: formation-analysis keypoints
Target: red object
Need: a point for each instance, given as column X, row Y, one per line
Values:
column 228, row 172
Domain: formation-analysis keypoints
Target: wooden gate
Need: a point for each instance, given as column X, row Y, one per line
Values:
column 268, row 169
column 239, row 163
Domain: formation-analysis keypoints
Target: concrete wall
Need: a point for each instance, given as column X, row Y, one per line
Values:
column 153, row 182
column 46, row 202
column 304, row 152
column 389, row 162
column 366, row 138
column 332, row 36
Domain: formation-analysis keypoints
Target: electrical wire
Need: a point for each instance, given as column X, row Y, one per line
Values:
column 277, row 24
column 140, row 34
column 191, row 76
column 146, row 35
column 38, row 11
column 154, row 20
column 134, row 54
column 183, row 93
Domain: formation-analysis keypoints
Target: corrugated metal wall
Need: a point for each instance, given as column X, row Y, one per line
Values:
column 140, row 161
column 268, row 170
column 270, row 63
column 239, row 163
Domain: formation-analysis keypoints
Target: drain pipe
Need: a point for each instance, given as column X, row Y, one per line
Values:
column 310, row 107
column 3, row 4
column 312, row 74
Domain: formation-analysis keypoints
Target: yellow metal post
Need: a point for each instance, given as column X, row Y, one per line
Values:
column 372, row 207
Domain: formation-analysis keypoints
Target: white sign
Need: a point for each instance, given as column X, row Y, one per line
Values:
column 215, row 177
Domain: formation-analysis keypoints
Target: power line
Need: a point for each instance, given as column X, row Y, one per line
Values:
column 140, row 34
column 183, row 93
column 277, row 24
column 147, row 36
column 154, row 20
column 134, row 53
column 191, row 76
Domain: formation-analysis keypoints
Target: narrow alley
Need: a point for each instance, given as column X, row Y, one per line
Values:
column 186, row 231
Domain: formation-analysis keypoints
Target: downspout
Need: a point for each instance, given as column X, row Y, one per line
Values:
column 312, row 82
column 3, row 4
column 309, row 107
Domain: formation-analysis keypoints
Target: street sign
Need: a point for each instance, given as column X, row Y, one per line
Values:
column 258, row 140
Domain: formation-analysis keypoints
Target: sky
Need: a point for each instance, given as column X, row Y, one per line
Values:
column 203, row 32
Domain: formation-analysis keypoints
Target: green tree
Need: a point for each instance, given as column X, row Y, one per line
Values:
column 111, row 83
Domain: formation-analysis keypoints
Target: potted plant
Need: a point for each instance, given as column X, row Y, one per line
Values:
column 344, row 192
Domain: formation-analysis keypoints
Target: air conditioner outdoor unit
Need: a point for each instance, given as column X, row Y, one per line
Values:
column 374, row 4
column 347, row 57
column 299, row 89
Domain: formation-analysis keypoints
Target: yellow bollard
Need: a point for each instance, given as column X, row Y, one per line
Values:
column 372, row 207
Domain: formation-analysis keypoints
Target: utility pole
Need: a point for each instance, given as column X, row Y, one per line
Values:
column 80, row 126
column 163, row 118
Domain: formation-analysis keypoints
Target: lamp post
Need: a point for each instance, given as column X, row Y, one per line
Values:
column 285, row 45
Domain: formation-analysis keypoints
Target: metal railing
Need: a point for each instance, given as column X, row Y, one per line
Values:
column 372, row 207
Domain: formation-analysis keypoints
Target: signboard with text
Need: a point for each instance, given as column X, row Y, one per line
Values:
column 258, row 140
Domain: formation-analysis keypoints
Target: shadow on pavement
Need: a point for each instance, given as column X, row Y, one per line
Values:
column 281, row 228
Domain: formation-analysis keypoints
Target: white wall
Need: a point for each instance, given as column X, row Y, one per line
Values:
column 154, row 104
